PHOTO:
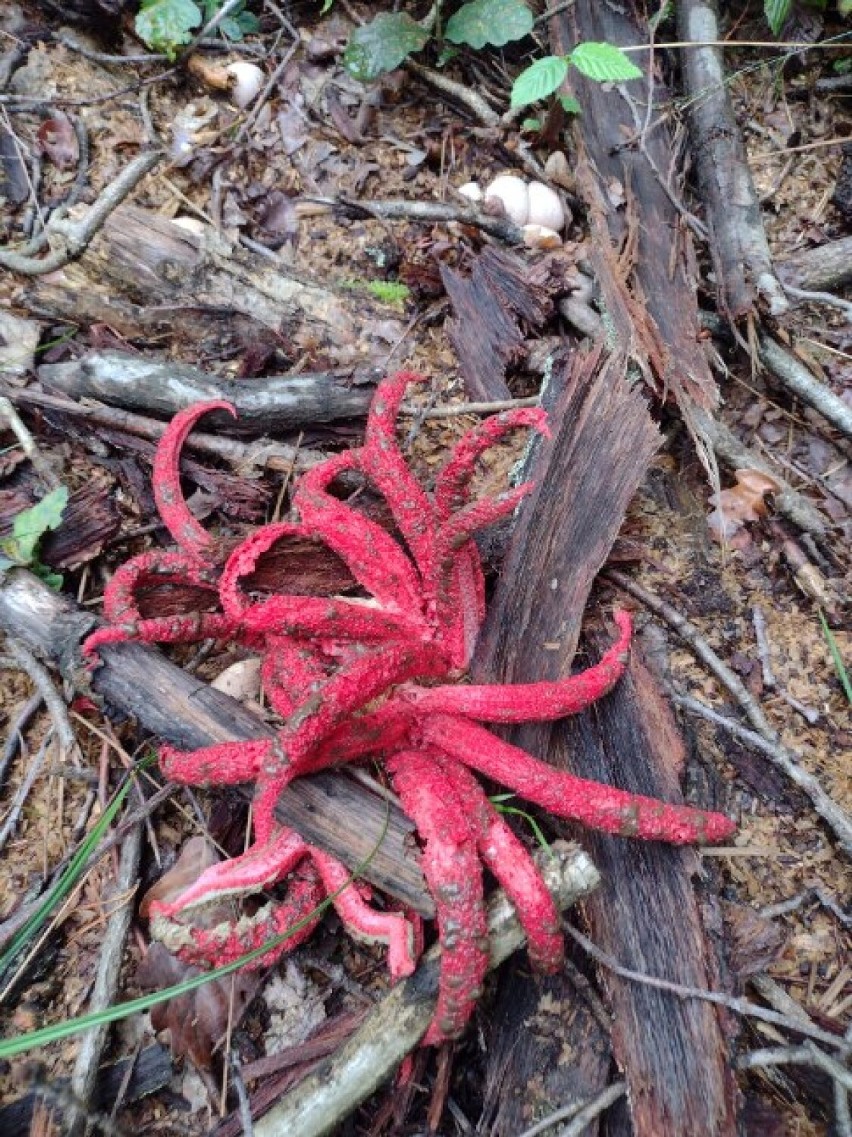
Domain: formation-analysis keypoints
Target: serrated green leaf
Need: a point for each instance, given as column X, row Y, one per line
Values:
column 166, row 24
column 539, row 80
column 30, row 525
column 489, row 23
column 380, row 46
column 776, row 13
column 604, row 63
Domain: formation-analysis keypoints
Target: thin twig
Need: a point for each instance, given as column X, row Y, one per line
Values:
column 92, row 1043
column 15, row 736
column 594, row 1109
column 737, row 1005
column 783, row 758
column 21, row 658
column 430, row 212
column 28, row 444
column 23, row 791
column 763, row 652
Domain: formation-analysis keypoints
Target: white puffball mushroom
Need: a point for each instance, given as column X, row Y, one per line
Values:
column 472, row 191
column 513, row 194
column 540, row 237
column 246, row 80
column 545, row 207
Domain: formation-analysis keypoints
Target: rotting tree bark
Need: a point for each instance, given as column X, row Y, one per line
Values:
column 145, row 276
column 604, row 441
column 672, row 1055
column 329, row 810
column 641, row 257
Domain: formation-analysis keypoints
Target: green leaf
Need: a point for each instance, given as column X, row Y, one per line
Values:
column 166, row 24
column 776, row 12
column 570, row 104
column 844, row 7
column 531, row 124
column 30, row 525
column 489, row 22
column 382, row 45
column 539, row 80
column 604, row 63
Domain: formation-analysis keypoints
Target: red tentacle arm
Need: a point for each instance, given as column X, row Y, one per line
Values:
column 367, row 923
column 593, row 804
column 452, row 485
column 373, row 557
column 512, row 866
column 153, row 568
column 165, row 629
column 296, row 919
column 191, row 537
column 530, row 702
column 383, row 462
column 452, row 871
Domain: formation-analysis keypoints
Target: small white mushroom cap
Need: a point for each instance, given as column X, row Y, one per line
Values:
column 246, row 80
column 513, row 194
column 545, row 207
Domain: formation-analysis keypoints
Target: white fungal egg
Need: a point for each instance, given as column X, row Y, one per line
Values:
column 541, row 237
column 545, row 207
column 513, row 195
column 246, row 81
column 471, row 190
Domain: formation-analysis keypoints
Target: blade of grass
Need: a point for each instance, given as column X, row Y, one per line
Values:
column 10, row 1047
column 839, row 665
column 71, row 875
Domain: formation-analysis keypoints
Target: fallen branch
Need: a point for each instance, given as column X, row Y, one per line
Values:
column 164, row 388
column 740, row 250
column 393, row 1029
column 69, row 238
column 85, row 1076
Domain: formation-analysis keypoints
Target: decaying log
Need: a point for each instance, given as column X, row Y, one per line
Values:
column 274, row 403
column 145, row 276
column 738, row 242
column 329, row 810
column 641, row 252
column 649, row 914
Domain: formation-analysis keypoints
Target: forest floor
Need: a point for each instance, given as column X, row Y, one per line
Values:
column 762, row 598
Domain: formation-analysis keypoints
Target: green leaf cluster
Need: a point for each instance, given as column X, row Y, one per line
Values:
column 166, row 25
column 28, row 528
column 388, row 40
column 602, row 62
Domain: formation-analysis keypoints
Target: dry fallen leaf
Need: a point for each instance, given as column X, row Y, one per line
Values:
column 746, row 501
